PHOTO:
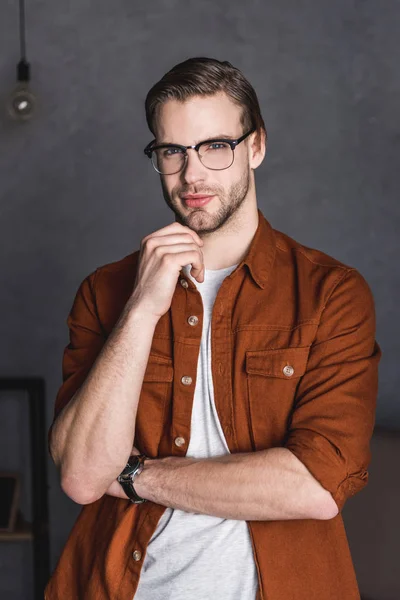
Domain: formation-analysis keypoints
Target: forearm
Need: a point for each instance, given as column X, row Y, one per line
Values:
column 266, row 485
column 97, row 426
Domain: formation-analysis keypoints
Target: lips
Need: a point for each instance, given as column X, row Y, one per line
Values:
column 196, row 200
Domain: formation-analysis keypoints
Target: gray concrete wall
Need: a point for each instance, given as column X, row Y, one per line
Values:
column 76, row 190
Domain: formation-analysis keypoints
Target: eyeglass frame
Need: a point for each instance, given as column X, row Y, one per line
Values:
column 232, row 143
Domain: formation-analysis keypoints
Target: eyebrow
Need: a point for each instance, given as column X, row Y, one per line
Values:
column 217, row 136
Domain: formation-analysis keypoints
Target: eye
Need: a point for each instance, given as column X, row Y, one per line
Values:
column 171, row 151
column 218, row 146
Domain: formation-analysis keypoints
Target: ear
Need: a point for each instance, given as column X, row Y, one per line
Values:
column 257, row 148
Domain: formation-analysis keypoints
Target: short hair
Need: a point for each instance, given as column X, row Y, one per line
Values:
column 202, row 76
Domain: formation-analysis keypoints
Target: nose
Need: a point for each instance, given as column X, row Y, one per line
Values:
column 194, row 170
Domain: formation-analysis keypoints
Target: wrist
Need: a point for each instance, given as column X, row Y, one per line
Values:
column 138, row 313
column 142, row 482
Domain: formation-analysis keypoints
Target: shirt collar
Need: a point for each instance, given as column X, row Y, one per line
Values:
column 261, row 253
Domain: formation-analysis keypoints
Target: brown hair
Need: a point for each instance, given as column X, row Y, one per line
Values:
column 201, row 76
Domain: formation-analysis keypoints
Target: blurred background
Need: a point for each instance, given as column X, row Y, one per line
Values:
column 77, row 191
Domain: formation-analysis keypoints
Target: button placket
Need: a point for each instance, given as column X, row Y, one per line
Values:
column 193, row 320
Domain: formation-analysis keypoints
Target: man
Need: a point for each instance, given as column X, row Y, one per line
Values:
column 230, row 369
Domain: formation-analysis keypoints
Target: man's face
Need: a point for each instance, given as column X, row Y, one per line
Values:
column 194, row 121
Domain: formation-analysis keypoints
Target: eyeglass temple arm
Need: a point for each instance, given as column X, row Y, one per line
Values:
column 236, row 142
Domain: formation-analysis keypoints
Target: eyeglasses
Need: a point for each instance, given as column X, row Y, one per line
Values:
column 215, row 154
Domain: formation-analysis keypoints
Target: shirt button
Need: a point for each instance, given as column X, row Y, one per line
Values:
column 288, row 371
column 193, row 320
column 183, row 283
column 137, row 555
column 186, row 380
column 179, row 441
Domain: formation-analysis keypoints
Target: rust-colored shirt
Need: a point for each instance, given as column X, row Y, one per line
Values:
column 294, row 364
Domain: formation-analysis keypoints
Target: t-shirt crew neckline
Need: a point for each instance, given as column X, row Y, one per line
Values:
column 209, row 273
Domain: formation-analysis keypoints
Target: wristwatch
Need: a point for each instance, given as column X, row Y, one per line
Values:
column 134, row 467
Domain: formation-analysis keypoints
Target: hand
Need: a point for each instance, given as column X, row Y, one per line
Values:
column 162, row 255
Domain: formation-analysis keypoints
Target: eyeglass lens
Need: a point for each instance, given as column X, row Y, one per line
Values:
column 217, row 156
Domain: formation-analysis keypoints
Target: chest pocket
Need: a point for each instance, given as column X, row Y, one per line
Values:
column 150, row 416
column 272, row 379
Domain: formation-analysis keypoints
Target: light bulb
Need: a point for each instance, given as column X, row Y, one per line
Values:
column 21, row 104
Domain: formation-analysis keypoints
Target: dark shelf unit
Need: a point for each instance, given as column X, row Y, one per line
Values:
column 38, row 530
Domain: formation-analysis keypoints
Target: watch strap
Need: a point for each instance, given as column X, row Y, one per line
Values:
column 126, row 480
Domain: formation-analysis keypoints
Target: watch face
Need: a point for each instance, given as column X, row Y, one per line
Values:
column 131, row 466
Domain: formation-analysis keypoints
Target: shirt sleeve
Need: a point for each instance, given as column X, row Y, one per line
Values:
column 334, row 412
column 86, row 338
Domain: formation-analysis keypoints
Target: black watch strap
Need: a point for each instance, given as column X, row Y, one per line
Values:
column 133, row 467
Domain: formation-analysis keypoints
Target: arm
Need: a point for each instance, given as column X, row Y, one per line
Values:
column 334, row 416
column 266, row 485
column 96, row 424
column 95, row 413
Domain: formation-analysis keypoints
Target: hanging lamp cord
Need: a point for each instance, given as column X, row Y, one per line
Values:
column 22, row 29
column 23, row 67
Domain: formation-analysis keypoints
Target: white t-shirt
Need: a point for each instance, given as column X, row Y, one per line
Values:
column 195, row 556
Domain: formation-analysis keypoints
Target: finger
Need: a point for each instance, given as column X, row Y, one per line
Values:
column 175, row 228
column 185, row 256
column 173, row 244
column 197, row 269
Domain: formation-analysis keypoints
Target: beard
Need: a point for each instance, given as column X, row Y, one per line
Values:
column 198, row 219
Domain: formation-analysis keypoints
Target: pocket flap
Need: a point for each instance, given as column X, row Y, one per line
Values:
column 285, row 363
column 159, row 368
